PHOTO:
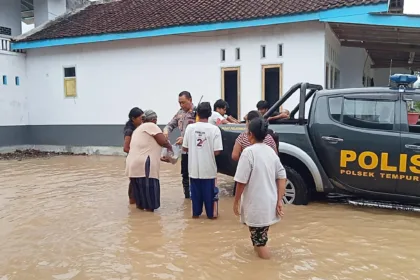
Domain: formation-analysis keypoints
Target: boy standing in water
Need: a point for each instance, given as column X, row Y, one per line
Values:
column 261, row 182
column 202, row 141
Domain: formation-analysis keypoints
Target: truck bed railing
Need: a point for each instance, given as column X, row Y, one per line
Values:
column 303, row 97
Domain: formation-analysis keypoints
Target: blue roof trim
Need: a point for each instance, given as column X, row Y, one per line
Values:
column 382, row 19
column 337, row 13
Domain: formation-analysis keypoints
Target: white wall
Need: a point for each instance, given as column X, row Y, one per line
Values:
column 354, row 64
column 13, row 105
column 45, row 10
column 115, row 76
column 331, row 53
column 381, row 75
column 412, row 7
column 10, row 16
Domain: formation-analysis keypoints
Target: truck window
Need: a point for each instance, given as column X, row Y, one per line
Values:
column 335, row 104
column 363, row 113
column 411, row 115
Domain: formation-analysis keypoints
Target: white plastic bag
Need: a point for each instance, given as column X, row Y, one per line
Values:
column 172, row 156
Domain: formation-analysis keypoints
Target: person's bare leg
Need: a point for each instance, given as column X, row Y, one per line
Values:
column 262, row 252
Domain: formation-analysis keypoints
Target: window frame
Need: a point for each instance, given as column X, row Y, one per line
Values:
column 390, row 97
column 65, row 79
column 341, row 109
column 405, row 97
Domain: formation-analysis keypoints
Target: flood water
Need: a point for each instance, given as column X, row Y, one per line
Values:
column 68, row 218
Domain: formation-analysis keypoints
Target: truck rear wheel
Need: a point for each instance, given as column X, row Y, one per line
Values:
column 296, row 188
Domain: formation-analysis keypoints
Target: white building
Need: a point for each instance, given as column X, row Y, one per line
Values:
column 81, row 73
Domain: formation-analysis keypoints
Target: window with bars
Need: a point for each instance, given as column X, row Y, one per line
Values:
column 396, row 5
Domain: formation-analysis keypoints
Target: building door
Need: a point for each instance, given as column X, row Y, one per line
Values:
column 231, row 90
column 271, row 83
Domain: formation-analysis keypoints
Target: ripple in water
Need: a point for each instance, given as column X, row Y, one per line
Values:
column 68, row 218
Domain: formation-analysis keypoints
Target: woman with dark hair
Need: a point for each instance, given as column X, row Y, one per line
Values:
column 242, row 140
column 261, row 183
column 143, row 162
column 134, row 120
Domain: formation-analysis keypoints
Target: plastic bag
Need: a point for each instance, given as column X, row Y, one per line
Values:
column 173, row 157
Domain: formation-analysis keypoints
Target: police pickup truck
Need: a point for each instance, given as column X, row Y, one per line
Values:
column 358, row 142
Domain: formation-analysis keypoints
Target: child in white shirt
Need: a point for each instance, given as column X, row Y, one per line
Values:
column 202, row 141
column 261, row 181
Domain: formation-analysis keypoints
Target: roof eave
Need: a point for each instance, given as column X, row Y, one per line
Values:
column 325, row 15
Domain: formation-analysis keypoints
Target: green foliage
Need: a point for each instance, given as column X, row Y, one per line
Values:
column 413, row 106
column 417, row 106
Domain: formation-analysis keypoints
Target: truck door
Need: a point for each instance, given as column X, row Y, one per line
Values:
column 409, row 170
column 357, row 140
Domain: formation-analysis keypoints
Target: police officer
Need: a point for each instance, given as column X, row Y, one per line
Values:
column 184, row 117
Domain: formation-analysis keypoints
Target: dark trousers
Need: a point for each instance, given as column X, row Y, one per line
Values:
column 185, row 175
column 202, row 192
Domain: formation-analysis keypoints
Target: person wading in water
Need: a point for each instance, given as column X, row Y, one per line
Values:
column 134, row 121
column 185, row 116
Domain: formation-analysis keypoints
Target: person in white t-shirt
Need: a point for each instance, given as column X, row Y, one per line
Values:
column 261, row 182
column 219, row 116
column 203, row 141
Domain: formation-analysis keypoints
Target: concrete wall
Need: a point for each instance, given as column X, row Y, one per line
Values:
column 331, row 54
column 10, row 16
column 354, row 64
column 381, row 75
column 13, row 105
column 115, row 76
column 412, row 7
column 46, row 10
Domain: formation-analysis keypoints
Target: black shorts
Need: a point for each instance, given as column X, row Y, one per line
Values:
column 259, row 235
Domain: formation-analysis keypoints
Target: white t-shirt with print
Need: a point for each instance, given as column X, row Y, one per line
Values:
column 258, row 168
column 202, row 140
column 216, row 118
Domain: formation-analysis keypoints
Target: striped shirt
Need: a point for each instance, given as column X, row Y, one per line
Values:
column 243, row 141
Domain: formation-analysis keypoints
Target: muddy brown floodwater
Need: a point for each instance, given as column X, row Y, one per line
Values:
column 68, row 218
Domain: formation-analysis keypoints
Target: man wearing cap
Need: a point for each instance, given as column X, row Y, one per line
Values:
column 185, row 116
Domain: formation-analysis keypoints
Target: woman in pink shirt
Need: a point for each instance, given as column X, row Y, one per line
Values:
column 143, row 162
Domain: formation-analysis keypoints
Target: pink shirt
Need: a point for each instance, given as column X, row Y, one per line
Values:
column 243, row 141
column 142, row 146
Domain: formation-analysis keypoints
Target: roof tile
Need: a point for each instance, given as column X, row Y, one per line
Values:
column 135, row 15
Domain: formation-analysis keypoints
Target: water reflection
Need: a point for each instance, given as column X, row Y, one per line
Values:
column 68, row 218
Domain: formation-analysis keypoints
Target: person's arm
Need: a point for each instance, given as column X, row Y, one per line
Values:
column 185, row 140
column 127, row 140
column 217, row 142
column 153, row 130
column 279, row 116
column 171, row 125
column 237, row 150
column 224, row 121
column 162, row 141
column 243, row 172
column 281, row 186
column 231, row 119
column 272, row 142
